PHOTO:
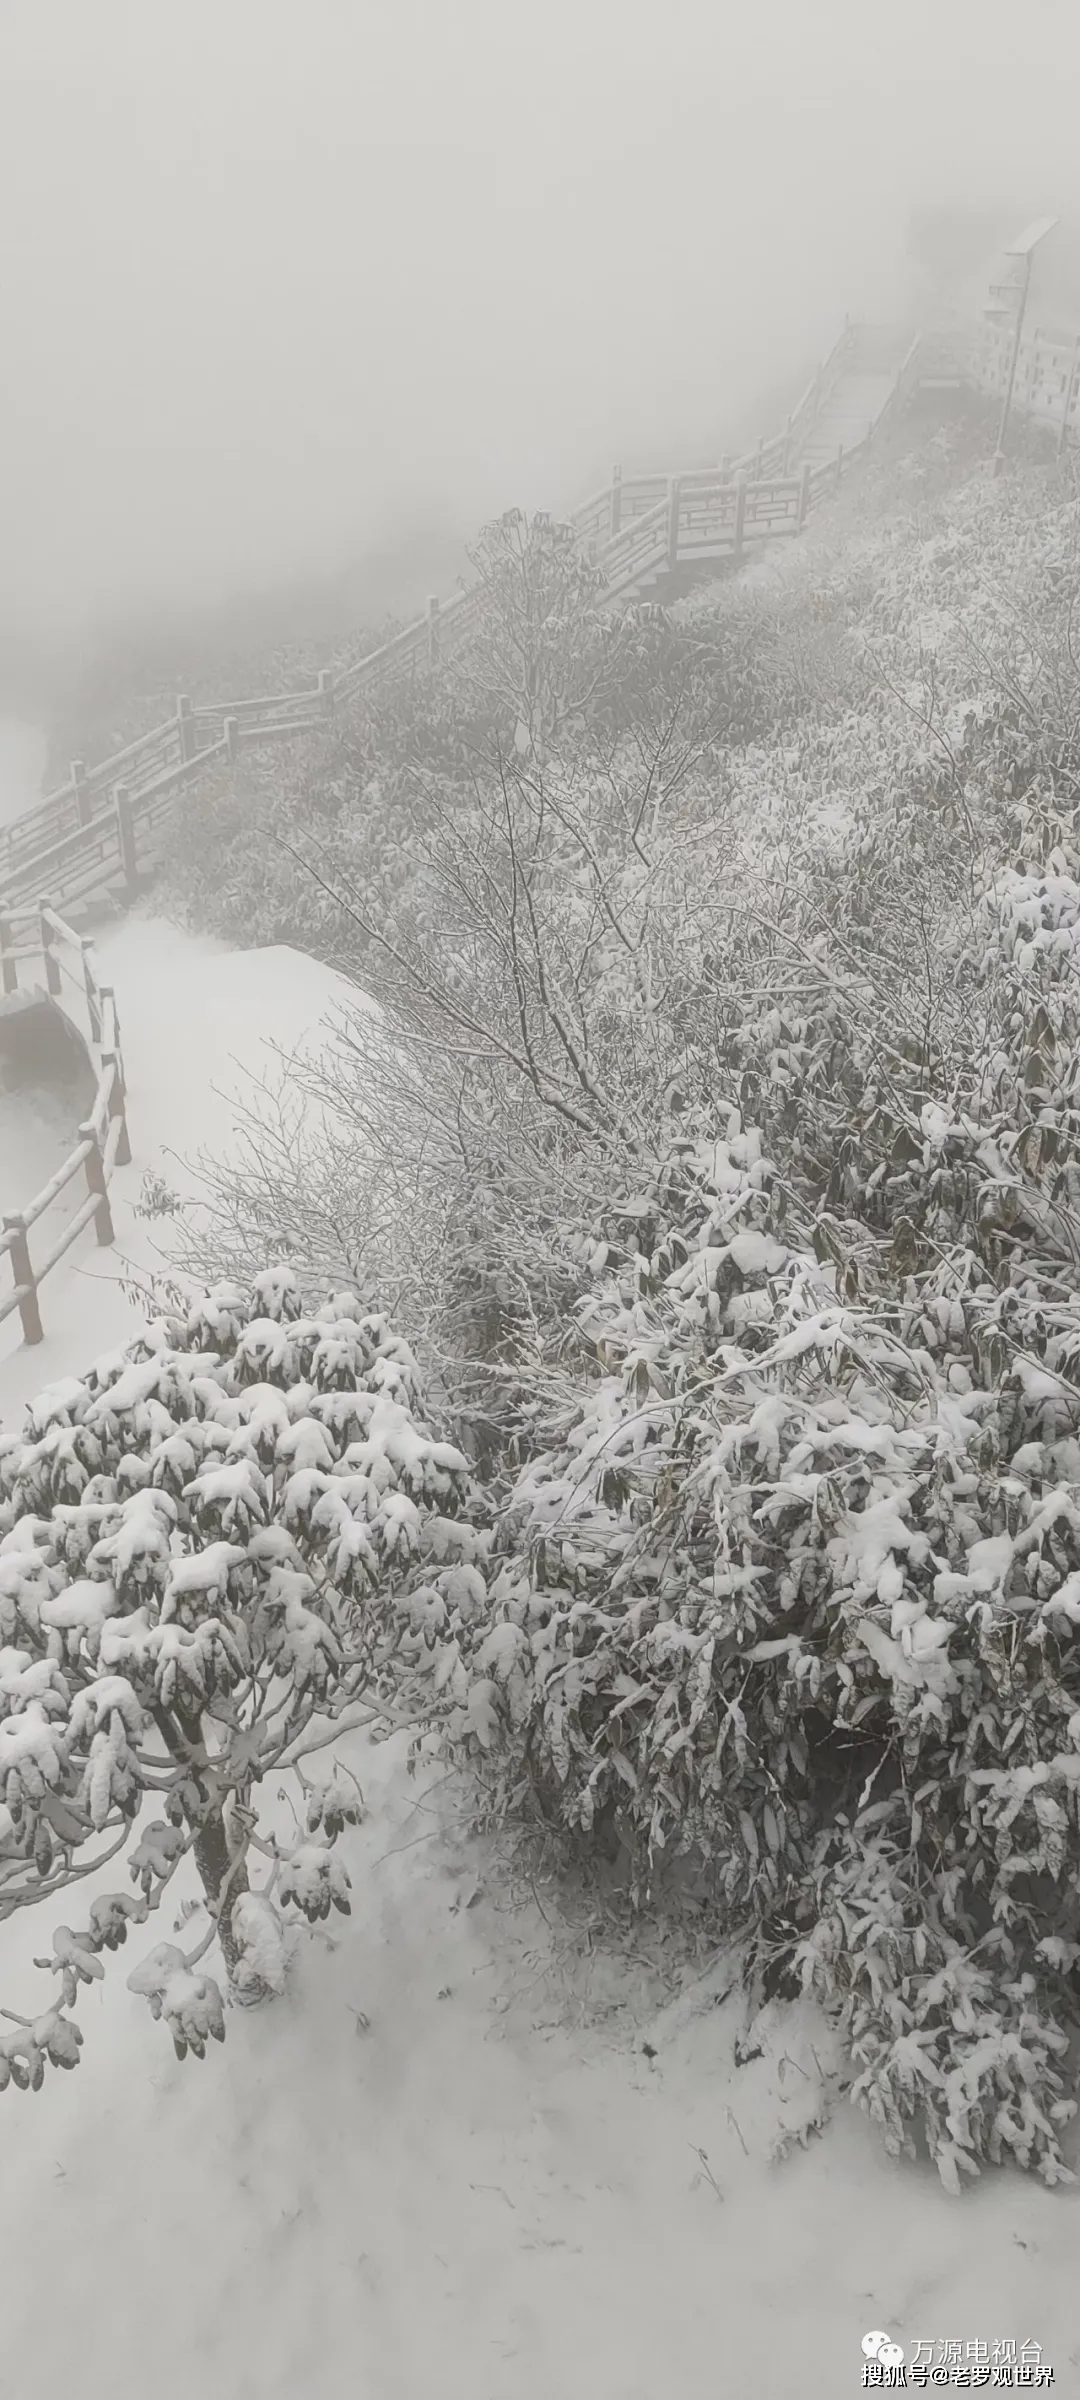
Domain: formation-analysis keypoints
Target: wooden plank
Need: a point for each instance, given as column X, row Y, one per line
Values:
column 143, row 746
column 99, row 1114
column 45, row 864
column 82, row 1217
column 83, row 875
column 635, row 552
column 24, row 835
column 57, row 1183
column 275, row 704
column 250, row 735
column 23, row 1298
column 592, row 515
column 113, row 1143
column 61, row 928
column 364, row 668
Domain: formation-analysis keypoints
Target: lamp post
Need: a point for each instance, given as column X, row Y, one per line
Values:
column 1024, row 247
column 1070, row 395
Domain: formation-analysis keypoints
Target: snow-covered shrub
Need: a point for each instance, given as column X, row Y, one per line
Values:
column 787, row 1578
column 210, row 1548
column 794, row 1587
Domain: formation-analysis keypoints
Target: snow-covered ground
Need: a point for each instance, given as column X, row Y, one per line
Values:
column 489, row 2191
column 196, row 1024
column 492, row 2189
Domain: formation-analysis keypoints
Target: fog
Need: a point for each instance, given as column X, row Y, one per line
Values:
column 280, row 283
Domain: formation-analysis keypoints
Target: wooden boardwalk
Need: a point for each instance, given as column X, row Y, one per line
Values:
column 100, row 830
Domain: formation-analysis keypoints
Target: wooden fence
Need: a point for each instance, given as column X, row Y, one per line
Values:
column 665, row 522
column 101, row 829
column 1047, row 383
column 956, row 354
column 40, row 952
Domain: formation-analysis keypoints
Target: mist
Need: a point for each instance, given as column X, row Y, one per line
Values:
column 282, row 286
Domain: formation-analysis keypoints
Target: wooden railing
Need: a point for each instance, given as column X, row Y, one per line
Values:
column 978, row 356
column 1047, row 383
column 39, row 949
column 672, row 521
column 102, row 827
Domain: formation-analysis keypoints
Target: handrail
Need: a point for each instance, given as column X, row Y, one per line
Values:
column 100, row 827
column 177, row 737
column 103, row 1141
column 91, row 827
column 87, row 832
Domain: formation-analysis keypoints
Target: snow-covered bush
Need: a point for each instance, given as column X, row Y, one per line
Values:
column 353, row 802
column 794, row 1587
column 734, row 1132
column 211, row 1547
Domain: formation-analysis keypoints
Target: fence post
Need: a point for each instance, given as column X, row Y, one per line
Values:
column 97, row 1186
column 93, row 1004
column 674, row 495
column 433, row 629
column 111, row 1025
column 23, row 1273
column 50, row 960
column 9, row 965
column 740, row 514
column 785, row 457
column 125, row 831
column 839, row 462
column 185, row 728
column 725, row 467
column 804, row 496
column 616, row 502
column 118, row 1104
column 759, row 461
column 326, row 692
column 232, row 738
column 84, row 798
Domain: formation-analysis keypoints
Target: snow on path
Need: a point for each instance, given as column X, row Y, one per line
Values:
column 492, row 2192
column 196, row 1022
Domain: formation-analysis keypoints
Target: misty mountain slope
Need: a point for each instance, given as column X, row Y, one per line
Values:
column 855, row 894
column 494, row 2184
column 246, row 848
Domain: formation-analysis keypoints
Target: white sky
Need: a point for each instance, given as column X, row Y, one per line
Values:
column 275, row 276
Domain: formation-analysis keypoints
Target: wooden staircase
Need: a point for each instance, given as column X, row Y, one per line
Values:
column 653, row 535
column 650, row 534
column 852, row 406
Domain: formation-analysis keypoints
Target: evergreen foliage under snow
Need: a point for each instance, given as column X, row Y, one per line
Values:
column 205, row 1544
column 720, row 1144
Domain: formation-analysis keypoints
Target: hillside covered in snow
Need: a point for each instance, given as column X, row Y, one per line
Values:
column 621, row 1368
